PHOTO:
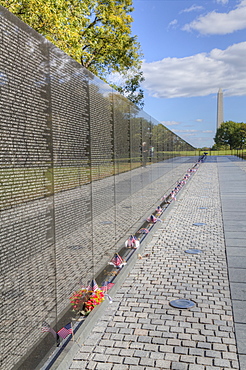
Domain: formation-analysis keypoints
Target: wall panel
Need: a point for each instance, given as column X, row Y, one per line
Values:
column 73, row 183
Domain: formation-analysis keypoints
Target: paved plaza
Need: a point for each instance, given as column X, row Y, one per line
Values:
column 140, row 330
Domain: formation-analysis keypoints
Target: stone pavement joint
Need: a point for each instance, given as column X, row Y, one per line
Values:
column 140, row 330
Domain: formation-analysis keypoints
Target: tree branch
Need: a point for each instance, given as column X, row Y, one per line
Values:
column 93, row 55
column 91, row 25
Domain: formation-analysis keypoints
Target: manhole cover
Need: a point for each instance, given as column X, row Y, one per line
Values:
column 199, row 224
column 182, row 303
column 193, row 251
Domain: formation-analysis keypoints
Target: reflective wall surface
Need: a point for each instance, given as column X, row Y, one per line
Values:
column 75, row 177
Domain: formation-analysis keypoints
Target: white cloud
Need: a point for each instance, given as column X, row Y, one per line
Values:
column 222, row 1
column 199, row 120
column 190, row 132
column 173, row 24
column 207, row 131
column 215, row 23
column 198, row 75
column 192, row 8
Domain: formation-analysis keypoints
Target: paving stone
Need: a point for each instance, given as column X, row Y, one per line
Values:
column 204, row 345
column 131, row 360
column 188, row 343
column 107, row 343
column 112, row 351
column 144, row 339
column 113, row 330
column 88, row 349
column 187, row 359
column 130, row 338
column 240, row 311
column 116, row 337
column 220, row 347
column 216, row 339
column 120, row 367
column 78, row 365
column 229, row 356
column 181, row 350
column 196, row 367
column 232, row 348
column 204, row 361
column 158, row 340
column 103, row 366
column 91, row 365
column 82, row 356
column 99, row 349
column 172, row 357
column 179, row 366
column 147, row 362
column 162, row 364
column 155, row 333
column 127, row 352
column 157, row 355
column 98, row 357
column 222, row 363
column 242, row 361
column 151, row 347
column 235, row 364
column 196, row 352
column 174, row 342
column 137, row 345
column 229, row 340
column 115, row 359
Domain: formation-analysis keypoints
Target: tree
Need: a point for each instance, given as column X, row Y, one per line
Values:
column 232, row 134
column 243, row 135
column 129, row 85
column 96, row 33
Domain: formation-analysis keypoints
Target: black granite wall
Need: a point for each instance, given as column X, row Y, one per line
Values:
column 71, row 180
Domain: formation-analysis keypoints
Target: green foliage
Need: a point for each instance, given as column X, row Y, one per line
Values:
column 230, row 135
column 96, row 33
column 130, row 87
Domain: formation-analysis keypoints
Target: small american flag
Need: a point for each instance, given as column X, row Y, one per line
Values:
column 65, row 331
column 143, row 231
column 93, row 285
column 106, row 286
column 152, row 218
column 131, row 241
column 46, row 328
column 116, row 260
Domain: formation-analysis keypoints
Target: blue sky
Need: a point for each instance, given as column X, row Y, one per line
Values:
column 191, row 49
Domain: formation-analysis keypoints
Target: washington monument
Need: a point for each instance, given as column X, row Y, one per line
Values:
column 220, row 113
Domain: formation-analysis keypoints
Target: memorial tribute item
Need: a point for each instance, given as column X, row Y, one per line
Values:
column 117, row 261
column 132, row 242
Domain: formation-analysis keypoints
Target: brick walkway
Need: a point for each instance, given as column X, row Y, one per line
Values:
column 140, row 330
